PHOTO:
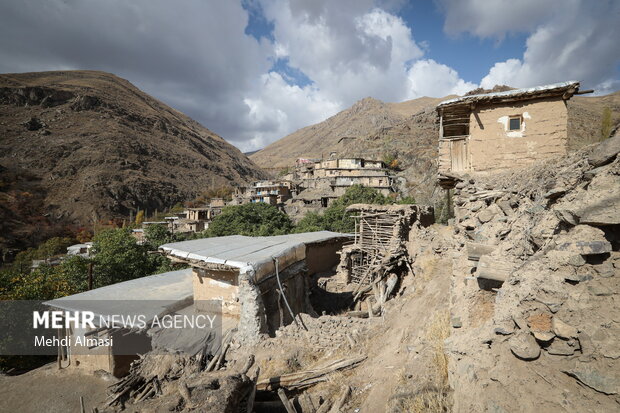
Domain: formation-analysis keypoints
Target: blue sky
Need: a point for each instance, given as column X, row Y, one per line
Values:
column 469, row 55
column 254, row 71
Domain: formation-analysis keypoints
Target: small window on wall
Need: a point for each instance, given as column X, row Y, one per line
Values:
column 514, row 123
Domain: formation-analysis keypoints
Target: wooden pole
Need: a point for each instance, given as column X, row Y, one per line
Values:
column 286, row 402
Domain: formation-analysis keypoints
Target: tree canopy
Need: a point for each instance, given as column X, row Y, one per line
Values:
column 254, row 219
column 335, row 217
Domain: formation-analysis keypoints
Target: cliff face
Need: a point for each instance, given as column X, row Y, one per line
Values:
column 100, row 146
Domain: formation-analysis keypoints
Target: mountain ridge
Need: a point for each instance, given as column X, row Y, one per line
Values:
column 96, row 147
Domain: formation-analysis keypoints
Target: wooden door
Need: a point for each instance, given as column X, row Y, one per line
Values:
column 458, row 155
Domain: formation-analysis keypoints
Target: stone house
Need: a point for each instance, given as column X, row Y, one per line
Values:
column 146, row 296
column 271, row 192
column 496, row 131
column 259, row 280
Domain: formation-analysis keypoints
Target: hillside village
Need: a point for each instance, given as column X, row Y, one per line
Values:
column 496, row 281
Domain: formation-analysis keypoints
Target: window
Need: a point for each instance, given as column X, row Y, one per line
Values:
column 514, row 123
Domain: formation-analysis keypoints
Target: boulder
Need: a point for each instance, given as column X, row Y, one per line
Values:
column 599, row 204
column 596, row 375
column 505, row 207
column 524, row 346
column 494, row 268
column 605, row 152
column 567, row 216
column 560, row 347
column 555, row 193
column 486, row 215
column 584, row 240
column 563, row 330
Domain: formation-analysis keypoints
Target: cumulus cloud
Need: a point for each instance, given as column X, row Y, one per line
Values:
column 307, row 60
column 282, row 108
column 349, row 49
column 429, row 78
column 568, row 40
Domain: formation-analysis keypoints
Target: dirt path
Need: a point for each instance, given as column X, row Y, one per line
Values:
column 402, row 348
column 48, row 390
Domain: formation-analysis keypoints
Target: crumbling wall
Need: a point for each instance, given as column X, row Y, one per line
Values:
column 323, row 256
column 535, row 315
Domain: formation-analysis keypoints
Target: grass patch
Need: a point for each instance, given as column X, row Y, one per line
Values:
column 438, row 331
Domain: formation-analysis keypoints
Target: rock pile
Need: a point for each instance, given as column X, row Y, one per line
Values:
column 325, row 332
column 536, row 284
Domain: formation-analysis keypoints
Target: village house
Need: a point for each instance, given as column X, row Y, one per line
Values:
column 195, row 219
column 321, row 182
column 83, row 250
column 274, row 192
column 338, row 174
column 271, row 192
column 263, row 282
column 149, row 296
column 498, row 131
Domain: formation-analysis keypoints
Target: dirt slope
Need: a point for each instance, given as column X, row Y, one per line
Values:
column 96, row 145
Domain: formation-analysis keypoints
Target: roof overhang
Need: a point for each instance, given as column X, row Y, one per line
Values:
column 564, row 90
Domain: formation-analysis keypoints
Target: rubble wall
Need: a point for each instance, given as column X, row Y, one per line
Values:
column 545, row 338
column 544, row 134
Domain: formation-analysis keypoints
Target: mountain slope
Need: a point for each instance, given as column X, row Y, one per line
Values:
column 372, row 129
column 367, row 116
column 98, row 147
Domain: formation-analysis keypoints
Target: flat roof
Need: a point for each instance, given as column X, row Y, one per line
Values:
column 151, row 295
column 240, row 251
column 516, row 93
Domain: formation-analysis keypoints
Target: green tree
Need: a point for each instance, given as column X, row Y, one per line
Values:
column 335, row 217
column 311, row 222
column 255, row 219
column 118, row 257
column 157, row 235
column 74, row 270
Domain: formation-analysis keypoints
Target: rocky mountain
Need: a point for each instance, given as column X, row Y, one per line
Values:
column 94, row 146
column 372, row 129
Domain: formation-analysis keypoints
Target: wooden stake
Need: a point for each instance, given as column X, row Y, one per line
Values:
column 286, row 402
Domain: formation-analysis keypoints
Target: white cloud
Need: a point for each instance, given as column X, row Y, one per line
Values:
column 282, row 108
column 496, row 18
column 429, row 78
column 350, row 50
column 568, row 39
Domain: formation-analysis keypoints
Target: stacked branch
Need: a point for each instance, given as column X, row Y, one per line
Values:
column 303, row 379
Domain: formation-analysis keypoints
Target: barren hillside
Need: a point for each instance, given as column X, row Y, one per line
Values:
column 371, row 128
column 95, row 145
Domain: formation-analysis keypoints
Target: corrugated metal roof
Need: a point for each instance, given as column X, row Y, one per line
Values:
column 149, row 295
column 512, row 93
column 240, row 251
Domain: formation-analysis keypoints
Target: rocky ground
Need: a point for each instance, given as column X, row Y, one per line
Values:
column 535, row 314
column 513, row 307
